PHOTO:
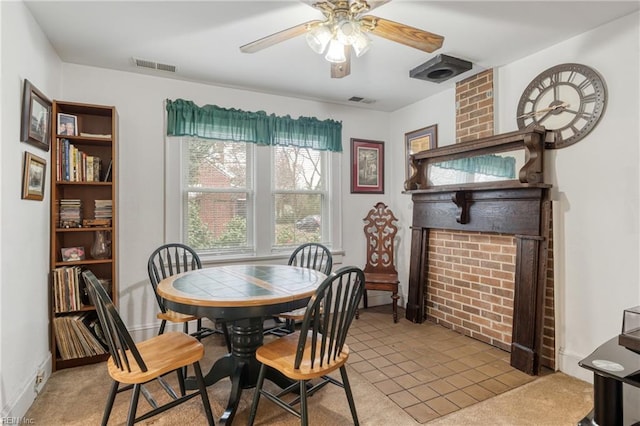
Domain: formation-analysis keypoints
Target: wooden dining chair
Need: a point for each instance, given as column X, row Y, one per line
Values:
column 133, row 364
column 168, row 260
column 317, row 349
column 379, row 271
column 312, row 256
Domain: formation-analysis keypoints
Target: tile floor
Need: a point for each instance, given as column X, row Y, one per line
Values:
column 426, row 369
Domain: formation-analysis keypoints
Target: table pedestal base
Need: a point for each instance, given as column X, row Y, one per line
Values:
column 240, row 366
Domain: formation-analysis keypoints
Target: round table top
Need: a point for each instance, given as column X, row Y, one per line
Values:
column 241, row 285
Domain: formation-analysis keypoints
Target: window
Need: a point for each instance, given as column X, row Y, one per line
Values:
column 217, row 195
column 235, row 204
column 299, row 195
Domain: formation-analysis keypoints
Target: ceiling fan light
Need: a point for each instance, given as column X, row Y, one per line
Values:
column 335, row 53
column 346, row 31
column 361, row 44
column 318, row 38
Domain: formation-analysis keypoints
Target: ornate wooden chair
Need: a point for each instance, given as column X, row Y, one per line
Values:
column 175, row 258
column 134, row 364
column 380, row 272
column 318, row 348
column 309, row 255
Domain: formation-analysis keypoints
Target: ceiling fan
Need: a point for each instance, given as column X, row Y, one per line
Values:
column 346, row 26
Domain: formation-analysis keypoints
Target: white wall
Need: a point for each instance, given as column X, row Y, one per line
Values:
column 441, row 110
column 24, row 235
column 140, row 103
column 595, row 189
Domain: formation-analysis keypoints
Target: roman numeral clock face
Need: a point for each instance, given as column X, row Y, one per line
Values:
column 568, row 100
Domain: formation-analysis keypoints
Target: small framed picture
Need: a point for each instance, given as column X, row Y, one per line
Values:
column 67, row 124
column 33, row 177
column 36, row 114
column 419, row 140
column 367, row 166
column 72, row 254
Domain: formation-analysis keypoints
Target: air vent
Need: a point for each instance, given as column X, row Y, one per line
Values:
column 361, row 100
column 144, row 63
column 440, row 68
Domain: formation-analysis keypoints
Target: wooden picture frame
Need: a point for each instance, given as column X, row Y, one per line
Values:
column 419, row 140
column 367, row 166
column 36, row 113
column 34, row 176
column 67, row 124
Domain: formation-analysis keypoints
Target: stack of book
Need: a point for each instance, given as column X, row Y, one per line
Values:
column 75, row 165
column 103, row 209
column 70, row 213
column 78, row 336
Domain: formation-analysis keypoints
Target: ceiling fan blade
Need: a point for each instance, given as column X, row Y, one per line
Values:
column 342, row 69
column 278, row 37
column 404, row 34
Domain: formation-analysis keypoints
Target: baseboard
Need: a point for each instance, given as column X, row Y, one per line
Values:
column 15, row 410
column 568, row 364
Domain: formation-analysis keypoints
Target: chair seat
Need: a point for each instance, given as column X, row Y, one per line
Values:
column 174, row 316
column 297, row 315
column 162, row 354
column 374, row 278
column 280, row 354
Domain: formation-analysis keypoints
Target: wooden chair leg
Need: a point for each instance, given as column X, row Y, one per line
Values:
column 256, row 394
column 304, row 414
column 347, row 390
column 131, row 417
column 110, row 400
column 394, row 301
column 203, row 393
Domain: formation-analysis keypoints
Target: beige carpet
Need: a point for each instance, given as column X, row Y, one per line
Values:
column 77, row 397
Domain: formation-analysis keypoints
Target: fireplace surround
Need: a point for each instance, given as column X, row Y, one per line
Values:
column 519, row 207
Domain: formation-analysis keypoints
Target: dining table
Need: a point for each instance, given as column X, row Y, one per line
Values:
column 241, row 296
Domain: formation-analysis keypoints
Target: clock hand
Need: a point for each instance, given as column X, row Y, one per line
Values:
column 540, row 111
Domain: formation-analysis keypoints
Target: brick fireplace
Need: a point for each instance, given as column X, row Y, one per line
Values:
column 479, row 251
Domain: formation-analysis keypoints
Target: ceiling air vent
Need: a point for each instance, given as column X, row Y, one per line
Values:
column 361, row 100
column 440, row 68
column 143, row 63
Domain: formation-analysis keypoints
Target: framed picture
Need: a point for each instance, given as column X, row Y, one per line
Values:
column 419, row 140
column 67, row 124
column 367, row 166
column 36, row 113
column 33, row 177
column 72, row 254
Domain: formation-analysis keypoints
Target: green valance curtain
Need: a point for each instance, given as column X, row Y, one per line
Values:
column 184, row 118
column 491, row 165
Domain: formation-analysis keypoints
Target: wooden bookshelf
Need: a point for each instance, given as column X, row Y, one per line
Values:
column 79, row 164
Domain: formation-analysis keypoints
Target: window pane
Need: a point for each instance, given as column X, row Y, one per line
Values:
column 217, row 164
column 217, row 221
column 298, row 218
column 297, row 195
column 297, row 169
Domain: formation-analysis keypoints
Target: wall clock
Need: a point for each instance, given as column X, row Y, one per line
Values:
column 567, row 99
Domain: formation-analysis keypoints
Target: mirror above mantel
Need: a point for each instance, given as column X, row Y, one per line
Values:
column 509, row 159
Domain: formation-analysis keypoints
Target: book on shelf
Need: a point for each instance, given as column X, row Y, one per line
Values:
column 75, row 165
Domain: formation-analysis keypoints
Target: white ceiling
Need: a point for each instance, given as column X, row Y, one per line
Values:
column 202, row 39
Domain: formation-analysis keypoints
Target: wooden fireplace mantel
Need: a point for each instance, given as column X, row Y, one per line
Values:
column 510, row 207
